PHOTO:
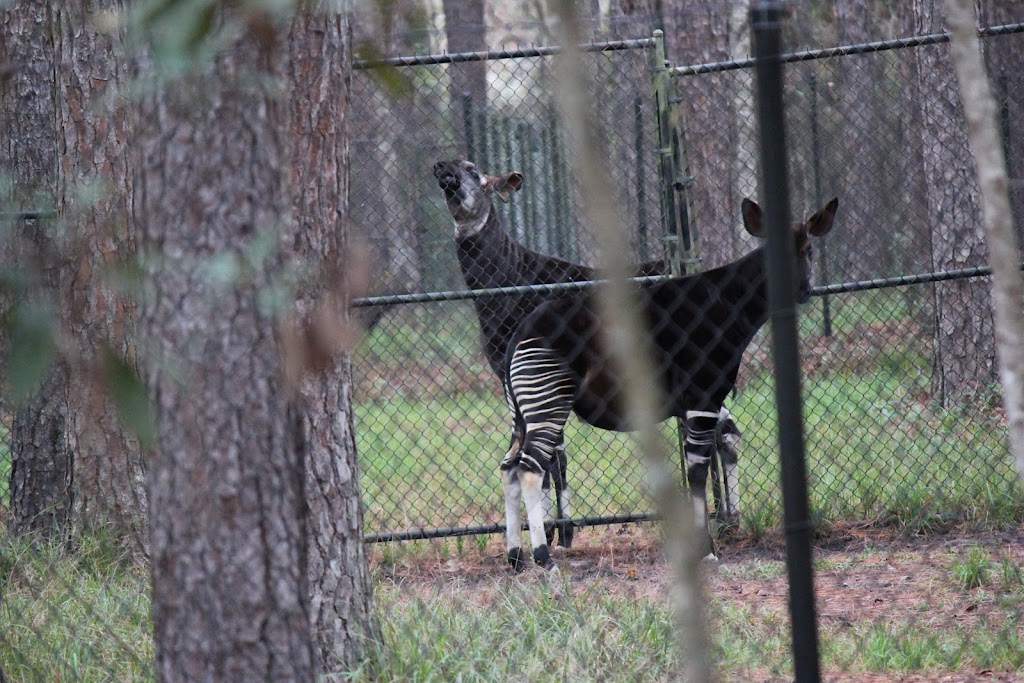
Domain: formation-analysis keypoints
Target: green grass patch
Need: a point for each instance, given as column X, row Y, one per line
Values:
column 80, row 615
column 525, row 633
column 974, row 569
column 84, row 616
column 597, row 636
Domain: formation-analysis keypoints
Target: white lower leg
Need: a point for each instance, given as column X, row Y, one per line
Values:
column 563, row 497
column 732, row 491
column 533, row 496
column 513, row 515
column 700, row 510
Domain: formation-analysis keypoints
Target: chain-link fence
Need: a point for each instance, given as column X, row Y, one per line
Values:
column 903, row 418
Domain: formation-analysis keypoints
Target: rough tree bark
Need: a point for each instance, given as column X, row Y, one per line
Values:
column 862, row 250
column 745, row 140
column 94, row 198
column 341, row 602
column 964, row 353
column 466, row 31
column 1007, row 286
column 40, row 477
column 227, row 475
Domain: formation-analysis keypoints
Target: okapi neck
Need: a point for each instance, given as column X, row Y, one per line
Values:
column 751, row 276
column 485, row 256
column 468, row 229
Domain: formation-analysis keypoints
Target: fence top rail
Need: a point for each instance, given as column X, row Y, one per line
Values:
column 492, row 55
column 462, row 294
column 842, row 50
column 821, row 290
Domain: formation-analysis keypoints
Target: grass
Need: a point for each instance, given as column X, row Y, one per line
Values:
column 84, row 616
column 76, row 616
column 605, row 637
column 973, row 570
column 526, row 633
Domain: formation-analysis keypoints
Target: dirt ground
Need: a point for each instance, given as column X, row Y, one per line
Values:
column 863, row 574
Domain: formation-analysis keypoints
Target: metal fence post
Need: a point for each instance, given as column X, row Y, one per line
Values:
column 766, row 18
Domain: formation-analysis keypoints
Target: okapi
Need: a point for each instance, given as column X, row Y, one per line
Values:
column 697, row 330
column 490, row 257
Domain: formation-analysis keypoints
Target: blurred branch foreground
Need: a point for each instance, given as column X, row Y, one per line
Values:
column 642, row 391
column 1004, row 251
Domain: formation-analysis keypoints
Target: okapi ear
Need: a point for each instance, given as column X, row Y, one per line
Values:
column 821, row 222
column 504, row 185
column 753, row 218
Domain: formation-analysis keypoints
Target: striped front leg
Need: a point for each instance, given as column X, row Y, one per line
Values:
column 700, row 449
column 541, row 389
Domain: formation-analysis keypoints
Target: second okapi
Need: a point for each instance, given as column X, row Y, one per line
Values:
column 489, row 258
column 697, row 328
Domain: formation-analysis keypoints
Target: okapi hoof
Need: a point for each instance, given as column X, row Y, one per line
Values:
column 542, row 557
column 549, row 533
column 515, row 559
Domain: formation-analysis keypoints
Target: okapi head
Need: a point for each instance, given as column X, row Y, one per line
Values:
column 815, row 226
column 467, row 192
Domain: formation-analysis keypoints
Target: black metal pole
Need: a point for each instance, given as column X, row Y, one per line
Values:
column 766, row 24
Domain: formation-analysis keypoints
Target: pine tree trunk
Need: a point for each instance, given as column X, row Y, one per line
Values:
column 41, row 460
column 861, row 251
column 964, row 353
column 227, row 475
column 94, row 126
column 466, row 32
column 341, row 602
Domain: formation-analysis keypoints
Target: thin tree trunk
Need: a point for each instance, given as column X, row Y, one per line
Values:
column 41, row 459
column 341, row 600
column 227, row 475
column 964, row 353
column 385, row 220
column 94, row 127
column 1007, row 286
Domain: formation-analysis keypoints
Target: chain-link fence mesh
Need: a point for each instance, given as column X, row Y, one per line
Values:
column 902, row 409
column 903, row 419
column 431, row 417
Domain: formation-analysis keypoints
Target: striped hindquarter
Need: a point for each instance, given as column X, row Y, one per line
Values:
column 540, row 389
